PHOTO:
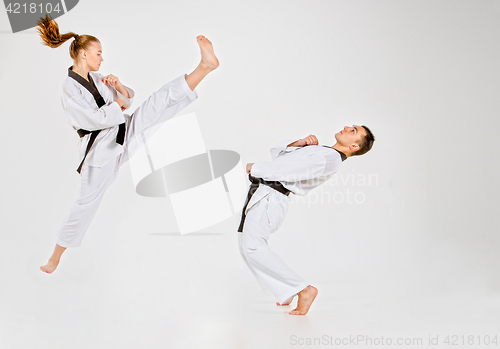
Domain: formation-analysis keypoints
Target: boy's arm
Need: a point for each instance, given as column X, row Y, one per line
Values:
column 286, row 147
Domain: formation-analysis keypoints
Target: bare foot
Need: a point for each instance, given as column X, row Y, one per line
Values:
column 286, row 303
column 208, row 58
column 50, row 266
column 306, row 297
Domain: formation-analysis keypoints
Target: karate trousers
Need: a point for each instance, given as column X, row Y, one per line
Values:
column 262, row 219
column 159, row 107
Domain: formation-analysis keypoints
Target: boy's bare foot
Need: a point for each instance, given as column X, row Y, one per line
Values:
column 306, row 297
column 50, row 266
column 208, row 58
column 286, row 303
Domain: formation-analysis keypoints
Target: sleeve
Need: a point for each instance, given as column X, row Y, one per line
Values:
column 117, row 94
column 114, row 92
column 81, row 114
column 294, row 170
column 282, row 148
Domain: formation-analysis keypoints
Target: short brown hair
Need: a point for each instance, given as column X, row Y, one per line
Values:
column 366, row 142
column 49, row 31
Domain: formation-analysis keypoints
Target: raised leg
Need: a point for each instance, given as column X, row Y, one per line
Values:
column 169, row 100
column 208, row 63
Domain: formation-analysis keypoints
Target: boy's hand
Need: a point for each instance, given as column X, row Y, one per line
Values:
column 309, row 140
column 249, row 167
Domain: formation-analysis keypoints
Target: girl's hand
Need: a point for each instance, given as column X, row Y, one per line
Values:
column 112, row 80
column 121, row 103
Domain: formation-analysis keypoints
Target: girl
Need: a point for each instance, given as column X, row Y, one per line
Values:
column 94, row 106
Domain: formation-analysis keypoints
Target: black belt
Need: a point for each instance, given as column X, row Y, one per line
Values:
column 253, row 187
column 120, row 137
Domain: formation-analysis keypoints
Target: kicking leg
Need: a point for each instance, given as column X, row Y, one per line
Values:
column 208, row 63
column 170, row 99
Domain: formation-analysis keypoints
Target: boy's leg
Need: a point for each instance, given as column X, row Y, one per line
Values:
column 268, row 267
column 243, row 255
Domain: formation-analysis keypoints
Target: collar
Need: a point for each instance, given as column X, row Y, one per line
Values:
column 78, row 77
column 342, row 155
column 89, row 85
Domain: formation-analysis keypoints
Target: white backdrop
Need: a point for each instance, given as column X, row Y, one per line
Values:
column 402, row 242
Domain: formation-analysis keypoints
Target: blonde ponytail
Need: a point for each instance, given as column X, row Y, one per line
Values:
column 49, row 32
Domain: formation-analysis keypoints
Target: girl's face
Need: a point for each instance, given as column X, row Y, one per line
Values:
column 93, row 56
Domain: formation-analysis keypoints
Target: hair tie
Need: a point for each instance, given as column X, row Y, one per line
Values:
column 76, row 36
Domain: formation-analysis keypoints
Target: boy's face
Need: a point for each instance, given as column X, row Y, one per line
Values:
column 350, row 136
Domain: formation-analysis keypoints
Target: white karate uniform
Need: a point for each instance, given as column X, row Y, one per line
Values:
column 106, row 156
column 299, row 169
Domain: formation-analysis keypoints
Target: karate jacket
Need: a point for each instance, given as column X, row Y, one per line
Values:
column 299, row 169
column 82, row 113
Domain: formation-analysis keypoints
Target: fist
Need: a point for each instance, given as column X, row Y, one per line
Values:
column 111, row 80
column 249, row 168
column 309, row 140
column 121, row 103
